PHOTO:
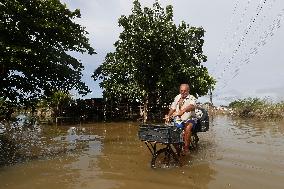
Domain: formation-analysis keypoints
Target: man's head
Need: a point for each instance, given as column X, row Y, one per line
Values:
column 184, row 90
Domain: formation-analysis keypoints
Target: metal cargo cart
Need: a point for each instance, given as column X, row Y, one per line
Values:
column 165, row 143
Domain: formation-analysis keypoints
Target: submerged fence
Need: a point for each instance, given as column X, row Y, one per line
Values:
column 95, row 110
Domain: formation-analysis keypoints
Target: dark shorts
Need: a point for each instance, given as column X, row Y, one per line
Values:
column 194, row 122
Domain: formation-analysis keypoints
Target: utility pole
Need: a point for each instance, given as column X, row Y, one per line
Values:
column 210, row 93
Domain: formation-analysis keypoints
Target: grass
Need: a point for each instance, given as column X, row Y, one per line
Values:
column 257, row 108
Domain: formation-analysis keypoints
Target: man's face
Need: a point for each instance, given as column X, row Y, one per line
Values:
column 184, row 91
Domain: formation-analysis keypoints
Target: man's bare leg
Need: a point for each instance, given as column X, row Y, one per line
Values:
column 187, row 136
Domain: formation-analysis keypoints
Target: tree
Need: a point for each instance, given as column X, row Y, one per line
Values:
column 35, row 39
column 152, row 57
column 59, row 100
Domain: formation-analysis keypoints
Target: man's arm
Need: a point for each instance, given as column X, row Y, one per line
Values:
column 167, row 117
column 188, row 108
column 171, row 112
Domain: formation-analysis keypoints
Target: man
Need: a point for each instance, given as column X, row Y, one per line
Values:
column 183, row 106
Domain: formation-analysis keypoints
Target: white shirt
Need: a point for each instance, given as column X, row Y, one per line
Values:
column 189, row 100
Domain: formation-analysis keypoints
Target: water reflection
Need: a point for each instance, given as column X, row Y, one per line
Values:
column 23, row 142
column 126, row 160
column 55, row 158
column 250, row 150
column 232, row 154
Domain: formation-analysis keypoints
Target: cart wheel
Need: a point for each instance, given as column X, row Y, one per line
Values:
column 194, row 141
column 165, row 158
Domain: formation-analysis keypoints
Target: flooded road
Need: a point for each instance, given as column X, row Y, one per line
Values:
column 232, row 154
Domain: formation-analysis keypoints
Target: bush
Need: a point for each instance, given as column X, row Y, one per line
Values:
column 257, row 108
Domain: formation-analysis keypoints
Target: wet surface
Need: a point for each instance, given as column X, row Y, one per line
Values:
column 232, row 154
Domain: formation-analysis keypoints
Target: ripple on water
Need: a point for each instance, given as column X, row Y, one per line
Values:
column 110, row 155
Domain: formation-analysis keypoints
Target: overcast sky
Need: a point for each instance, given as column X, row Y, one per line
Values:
column 243, row 41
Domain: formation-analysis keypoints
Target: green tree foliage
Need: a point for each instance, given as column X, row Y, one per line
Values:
column 257, row 108
column 59, row 100
column 251, row 103
column 248, row 106
column 153, row 56
column 35, row 38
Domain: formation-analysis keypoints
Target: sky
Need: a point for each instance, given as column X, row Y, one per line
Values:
column 243, row 42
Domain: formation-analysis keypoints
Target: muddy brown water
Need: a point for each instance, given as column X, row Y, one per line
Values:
column 232, row 154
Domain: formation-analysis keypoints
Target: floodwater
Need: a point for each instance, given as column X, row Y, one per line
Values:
column 232, row 154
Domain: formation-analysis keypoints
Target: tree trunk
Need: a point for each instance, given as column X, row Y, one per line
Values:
column 145, row 109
